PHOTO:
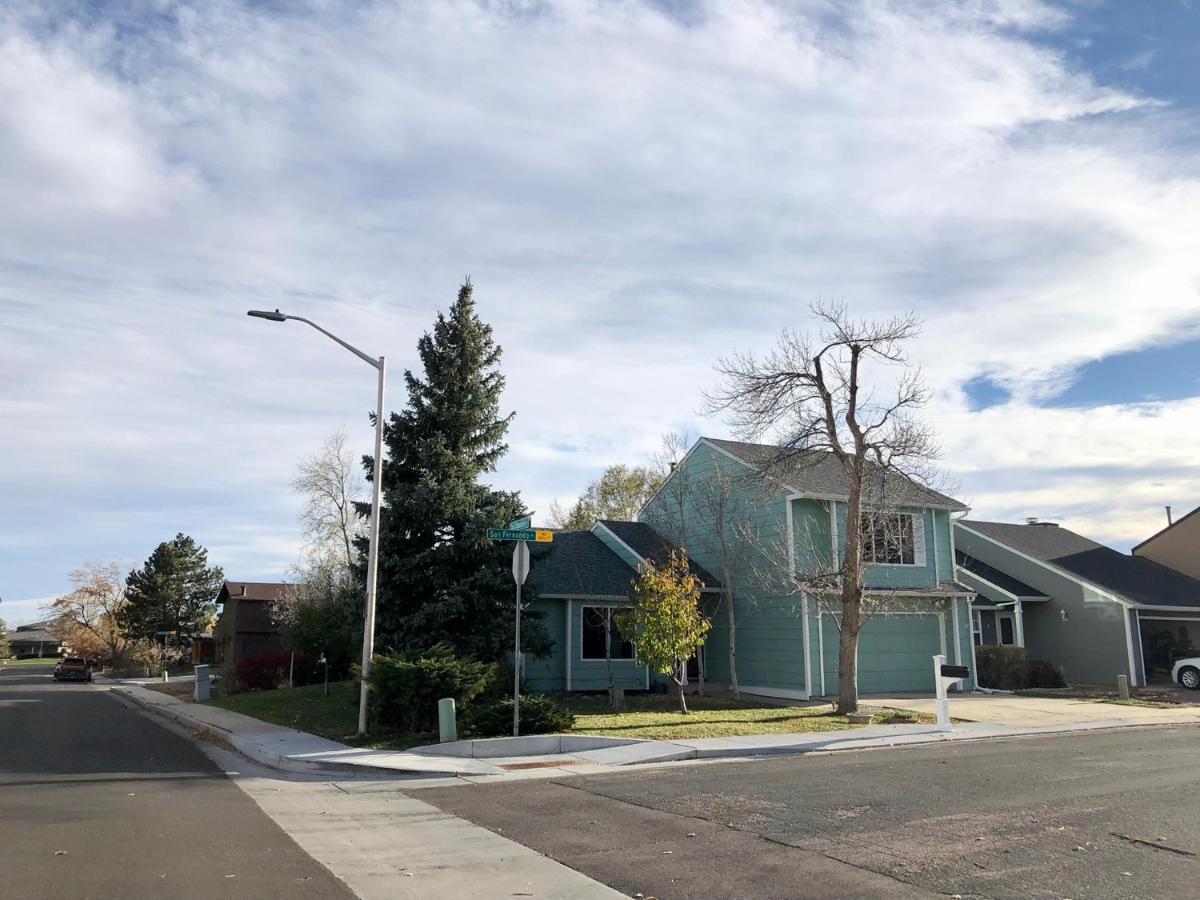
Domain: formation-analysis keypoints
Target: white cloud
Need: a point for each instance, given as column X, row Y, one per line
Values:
column 634, row 193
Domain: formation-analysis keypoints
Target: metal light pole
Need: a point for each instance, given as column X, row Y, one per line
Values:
column 380, row 366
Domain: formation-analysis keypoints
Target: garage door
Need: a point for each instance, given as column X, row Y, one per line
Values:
column 894, row 654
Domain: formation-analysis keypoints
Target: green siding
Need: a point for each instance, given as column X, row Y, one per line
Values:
column 769, row 629
column 924, row 575
column 895, row 653
column 549, row 674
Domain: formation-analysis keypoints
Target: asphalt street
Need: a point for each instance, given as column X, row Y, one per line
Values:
column 99, row 801
column 1100, row 814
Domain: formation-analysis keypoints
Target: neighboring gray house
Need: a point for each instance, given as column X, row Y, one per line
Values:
column 33, row 640
column 1091, row 610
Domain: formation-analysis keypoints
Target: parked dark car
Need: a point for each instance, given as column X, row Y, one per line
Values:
column 73, row 668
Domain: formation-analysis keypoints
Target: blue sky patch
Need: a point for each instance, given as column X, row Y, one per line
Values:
column 982, row 392
column 1152, row 374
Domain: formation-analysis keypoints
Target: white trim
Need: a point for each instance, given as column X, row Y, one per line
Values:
column 618, row 598
column 974, row 663
column 569, row 650
column 834, row 555
column 1019, row 610
column 936, row 573
column 941, row 617
column 1142, row 618
column 1104, row 592
column 968, row 575
column 957, row 636
column 1133, row 678
column 807, row 651
column 821, row 647
column 1160, row 608
column 791, row 534
column 785, row 693
column 641, row 559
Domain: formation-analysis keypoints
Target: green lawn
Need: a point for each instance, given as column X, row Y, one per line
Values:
column 28, row 662
column 646, row 716
column 307, row 709
column 655, row 716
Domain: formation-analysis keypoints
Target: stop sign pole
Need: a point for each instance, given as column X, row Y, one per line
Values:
column 520, row 573
column 520, row 532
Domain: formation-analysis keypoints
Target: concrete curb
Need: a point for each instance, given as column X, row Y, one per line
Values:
column 256, row 746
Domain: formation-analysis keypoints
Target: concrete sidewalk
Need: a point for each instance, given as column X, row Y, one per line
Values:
column 1023, row 712
column 533, row 757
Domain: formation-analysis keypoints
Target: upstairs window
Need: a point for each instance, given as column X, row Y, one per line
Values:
column 601, row 639
column 892, row 539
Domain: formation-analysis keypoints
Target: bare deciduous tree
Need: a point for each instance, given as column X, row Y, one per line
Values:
column 812, row 395
column 331, row 484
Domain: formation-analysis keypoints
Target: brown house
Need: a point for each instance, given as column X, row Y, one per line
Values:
column 244, row 626
column 1177, row 546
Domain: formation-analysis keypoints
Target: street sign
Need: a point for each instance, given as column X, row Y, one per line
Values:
column 520, row 562
column 521, row 524
column 540, row 535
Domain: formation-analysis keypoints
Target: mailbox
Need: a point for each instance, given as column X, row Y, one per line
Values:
column 955, row 671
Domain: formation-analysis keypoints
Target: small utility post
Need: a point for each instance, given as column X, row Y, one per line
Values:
column 520, row 572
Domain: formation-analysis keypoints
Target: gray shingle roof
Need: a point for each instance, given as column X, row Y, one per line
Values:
column 996, row 577
column 578, row 563
column 819, row 472
column 649, row 544
column 1131, row 577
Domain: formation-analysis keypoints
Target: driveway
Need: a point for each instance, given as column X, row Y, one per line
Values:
column 1009, row 709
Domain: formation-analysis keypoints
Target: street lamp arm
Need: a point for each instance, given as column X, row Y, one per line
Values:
column 370, row 360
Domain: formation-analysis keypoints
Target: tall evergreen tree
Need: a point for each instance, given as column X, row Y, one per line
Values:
column 174, row 591
column 440, row 578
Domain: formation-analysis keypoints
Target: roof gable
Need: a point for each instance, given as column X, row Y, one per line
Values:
column 1131, row 578
column 818, row 473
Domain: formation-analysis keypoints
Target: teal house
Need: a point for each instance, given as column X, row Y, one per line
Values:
column 748, row 538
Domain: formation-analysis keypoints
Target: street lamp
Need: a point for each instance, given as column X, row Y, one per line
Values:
column 376, row 487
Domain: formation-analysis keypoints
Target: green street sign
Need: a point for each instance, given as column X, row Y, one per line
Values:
column 541, row 536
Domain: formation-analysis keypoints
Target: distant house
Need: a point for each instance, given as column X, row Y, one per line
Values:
column 1092, row 611
column 244, row 626
column 1177, row 546
column 33, row 640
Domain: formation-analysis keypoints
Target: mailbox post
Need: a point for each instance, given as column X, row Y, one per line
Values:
column 943, row 677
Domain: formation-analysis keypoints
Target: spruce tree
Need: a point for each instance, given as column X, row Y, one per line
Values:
column 174, row 591
column 440, row 578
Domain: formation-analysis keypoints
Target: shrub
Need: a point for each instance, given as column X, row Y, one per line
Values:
column 266, row 671
column 1044, row 675
column 1002, row 668
column 406, row 687
column 539, row 715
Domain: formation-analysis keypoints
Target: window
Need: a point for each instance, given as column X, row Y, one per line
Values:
column 891, row 539
column 977, row 627
column 1004, row 622
column 600, row 634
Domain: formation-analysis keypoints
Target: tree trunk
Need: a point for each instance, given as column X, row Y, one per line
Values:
column 679, row 693
column 848, row 651
column 700, row 671
column 733, row 682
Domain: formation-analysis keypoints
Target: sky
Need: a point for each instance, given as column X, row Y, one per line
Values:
column 636, row 188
